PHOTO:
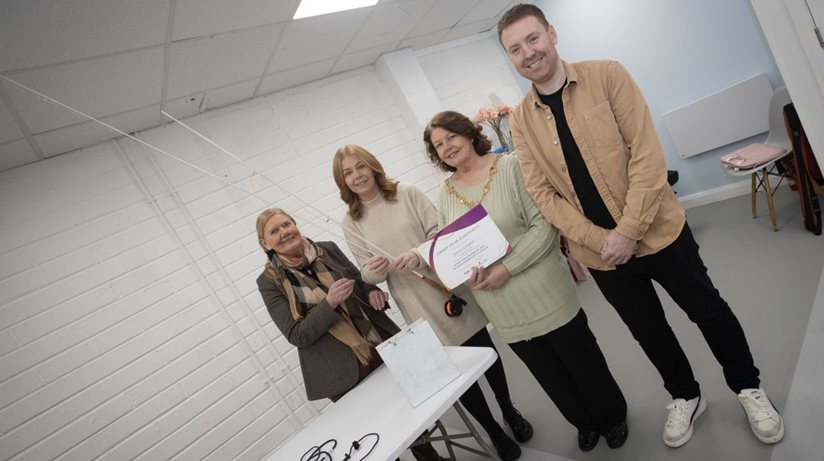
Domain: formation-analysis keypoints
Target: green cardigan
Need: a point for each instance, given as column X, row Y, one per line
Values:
column 540, row 296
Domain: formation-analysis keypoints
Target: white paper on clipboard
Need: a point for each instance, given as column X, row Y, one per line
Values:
column 418, row 361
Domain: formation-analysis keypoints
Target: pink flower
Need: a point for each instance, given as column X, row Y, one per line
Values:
column 505, row 109
column 494, row 116
column 491, row 114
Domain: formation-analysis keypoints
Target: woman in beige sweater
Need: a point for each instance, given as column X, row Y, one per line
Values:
column 528, row 295
column 387, row 216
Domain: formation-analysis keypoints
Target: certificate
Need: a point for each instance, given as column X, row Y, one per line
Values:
column 470, row 241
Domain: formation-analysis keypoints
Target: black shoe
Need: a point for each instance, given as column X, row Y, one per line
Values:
column 425, row 452
column 617, row 435
column 520, row 426
column 507, row 449
column 587, row 440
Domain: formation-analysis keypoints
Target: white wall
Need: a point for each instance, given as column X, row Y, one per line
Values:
column 469, row 74
column 130, row 323
column 678, row 52
column 789, row 26
column 466, row 72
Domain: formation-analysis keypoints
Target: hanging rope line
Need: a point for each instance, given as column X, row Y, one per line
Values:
column 252, row 193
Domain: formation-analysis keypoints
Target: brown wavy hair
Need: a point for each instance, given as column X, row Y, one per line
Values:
column 519, row 12
column 457, row 123
column 386, row 186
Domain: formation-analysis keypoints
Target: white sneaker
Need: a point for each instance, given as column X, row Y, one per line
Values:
column 681, row 417
column 765, row 421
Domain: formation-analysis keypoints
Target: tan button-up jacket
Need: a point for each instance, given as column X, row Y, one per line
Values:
column 611, row 124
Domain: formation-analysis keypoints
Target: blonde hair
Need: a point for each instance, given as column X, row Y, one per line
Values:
column 387, row 187
column 263, row 218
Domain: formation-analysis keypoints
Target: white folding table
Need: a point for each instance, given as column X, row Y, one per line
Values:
column 378, row 405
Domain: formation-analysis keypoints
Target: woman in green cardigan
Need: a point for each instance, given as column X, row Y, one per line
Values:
column 528, row 295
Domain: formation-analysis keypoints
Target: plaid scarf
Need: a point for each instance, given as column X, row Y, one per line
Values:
column 304, row 293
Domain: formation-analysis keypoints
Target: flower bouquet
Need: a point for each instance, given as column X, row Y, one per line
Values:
column 495, row 118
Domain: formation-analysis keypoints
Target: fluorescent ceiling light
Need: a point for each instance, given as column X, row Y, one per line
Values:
column 309, row 8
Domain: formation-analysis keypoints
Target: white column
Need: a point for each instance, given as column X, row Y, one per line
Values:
column 409, row 87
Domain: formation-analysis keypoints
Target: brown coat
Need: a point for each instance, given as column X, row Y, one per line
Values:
column 613, row 128
column 329, row 367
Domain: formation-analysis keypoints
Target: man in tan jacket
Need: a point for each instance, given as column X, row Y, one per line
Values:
column 595, row 167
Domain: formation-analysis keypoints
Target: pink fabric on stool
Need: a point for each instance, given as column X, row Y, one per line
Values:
column 752, row 156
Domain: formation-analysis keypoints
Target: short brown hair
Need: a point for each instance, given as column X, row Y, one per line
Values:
column 387, row 187
column 518, row 12
column 457, row 123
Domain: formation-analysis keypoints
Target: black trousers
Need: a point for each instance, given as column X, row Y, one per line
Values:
column 571, row 369
column 473, row 399
column 679, row 269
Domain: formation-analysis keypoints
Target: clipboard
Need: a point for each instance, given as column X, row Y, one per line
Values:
column 418, row 361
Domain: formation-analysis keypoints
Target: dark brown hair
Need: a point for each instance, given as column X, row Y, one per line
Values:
column 518, row 12
column 387, row 187
column 457, row 123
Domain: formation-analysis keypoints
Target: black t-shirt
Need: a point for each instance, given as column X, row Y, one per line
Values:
column 594, row 208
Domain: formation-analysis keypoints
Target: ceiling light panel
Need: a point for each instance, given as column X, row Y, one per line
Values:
column 308, row 8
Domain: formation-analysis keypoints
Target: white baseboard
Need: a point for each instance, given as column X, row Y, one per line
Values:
column 724, row 192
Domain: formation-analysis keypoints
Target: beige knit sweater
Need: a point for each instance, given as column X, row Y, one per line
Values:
column 397, row 227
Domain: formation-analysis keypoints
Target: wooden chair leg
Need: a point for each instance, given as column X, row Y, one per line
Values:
column 753, row 193
column 770, row 204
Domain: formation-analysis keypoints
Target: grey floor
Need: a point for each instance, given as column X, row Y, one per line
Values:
column 770, row 280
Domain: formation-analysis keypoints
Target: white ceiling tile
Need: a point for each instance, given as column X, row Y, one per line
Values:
column 107, row 57
column 465, row 31
column 16, row 153
column 98, row 87
column 484, row 10
column 443, row 15
column 494, row 20
column 316, row 38
column 226, row 95
column 194, row 18
column 294, row 77
column 211, row 99
column 361, row 58
column 8, row 127
column 86, row 134
column 181, row 108
column 215, row 61
column 492, row 24
column 39, row 32
column 424, row 41
column 389, row 24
